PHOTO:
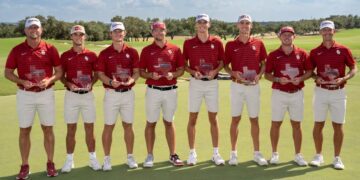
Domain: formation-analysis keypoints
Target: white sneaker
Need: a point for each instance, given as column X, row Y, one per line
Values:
column 217, row 159
column 149, row 161
column 107, row 164
column 299, row 159
column 259, row 159
column 94, row 164
column 69, row 164
column 233, row 161
column 274, row 158
column 317, row 160
column 131, row 162
column 192, row 159
column 338, row 163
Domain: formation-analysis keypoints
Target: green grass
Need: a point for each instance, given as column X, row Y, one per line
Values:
column 10, row 157
column 350, row 38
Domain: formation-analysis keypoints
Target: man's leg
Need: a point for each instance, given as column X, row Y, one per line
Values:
column 191, row 129
column 25, row 144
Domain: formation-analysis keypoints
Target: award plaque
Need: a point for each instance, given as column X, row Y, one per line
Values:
column 163, row 67
column 291, row 72
column 331, row 75
column 249, row 76
column 122, row 74
column 36, row 75
column 205, row 68
column 83, row 81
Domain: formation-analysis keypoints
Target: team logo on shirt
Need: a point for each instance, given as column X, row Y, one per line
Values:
column 127, row 55
column 254, row 48
column 195, row 47
column 110, row 57
column 278, row 57
column 212, row 46
column 236, row 50
column 86, row 58
column 298, row 57
column 170, row 51
column 152, row 53
column 290, row 71
column 42, row 52
column 338, row 52
column 24, row 53
column 319, row 53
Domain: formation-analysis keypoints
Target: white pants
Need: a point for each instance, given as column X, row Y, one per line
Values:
column 74, row 104
column 156, row 100
column 241, row 94
column 291, row 102
column 329, row 100
column 28, row 103
column 199, row 90
column 115, row 102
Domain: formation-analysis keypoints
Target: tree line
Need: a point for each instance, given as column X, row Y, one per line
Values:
column 139, row 29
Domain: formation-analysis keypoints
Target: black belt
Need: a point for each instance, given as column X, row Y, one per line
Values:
column 167, row 88
column 34, row 89
column 205, row 79
column 122, row 90
column 324, row 86
column 290, row 91
column 78, row 91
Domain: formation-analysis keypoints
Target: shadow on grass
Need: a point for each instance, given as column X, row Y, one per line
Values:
column 202, row 170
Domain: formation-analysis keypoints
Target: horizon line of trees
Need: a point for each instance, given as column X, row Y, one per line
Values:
column 139, row 29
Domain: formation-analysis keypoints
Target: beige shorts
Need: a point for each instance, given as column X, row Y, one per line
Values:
column 241, row 94
column 157, row 100
column 28, row 103
column 207, row 90
column 119, row 102
column 329, row 100
column 74, row 104
column 291, row 102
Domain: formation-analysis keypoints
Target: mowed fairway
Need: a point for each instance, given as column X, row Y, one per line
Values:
column 10, row 157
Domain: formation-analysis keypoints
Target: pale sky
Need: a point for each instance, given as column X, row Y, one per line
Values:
column 226, row 10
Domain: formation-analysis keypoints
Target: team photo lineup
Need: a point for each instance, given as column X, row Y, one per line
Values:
column 35, row 65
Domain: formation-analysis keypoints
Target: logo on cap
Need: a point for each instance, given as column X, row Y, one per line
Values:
column 117, row 25
column 244, row 17
column 204, row 17
column 286, row 29
column 77, row 28
column 327, row 24
column 159, row 25
column 32, row 21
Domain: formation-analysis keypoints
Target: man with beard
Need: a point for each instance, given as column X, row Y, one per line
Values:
column 35, row 61
column 160, row 64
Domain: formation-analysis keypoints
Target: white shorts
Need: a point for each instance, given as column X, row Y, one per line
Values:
column 74, row 104
column 199, row 90
column 241, row 94
column 28, row 103
column 329, row 100
column 156, row 100
column 291, row 102
column 115, row 102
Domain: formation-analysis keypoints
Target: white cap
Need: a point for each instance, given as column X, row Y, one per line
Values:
column 327, row 24
column 244, row 17
column 204, row 17
column 77, row 28
column 117, row 25
column 32, row 21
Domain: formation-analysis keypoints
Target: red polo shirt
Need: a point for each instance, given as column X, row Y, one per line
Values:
column 111, row 61
column 293, row 65
column 78, row 66
column 33, row 64
column 152, row 54
column 249, row 55
column 334, row 59
column 211, row 51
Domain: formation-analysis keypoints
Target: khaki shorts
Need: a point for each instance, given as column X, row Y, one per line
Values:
column 74, row 104
column 291, row 102
column 157, row 100
column 28, row 103
column 241, row 94
column 119, row 102
column 207, row 90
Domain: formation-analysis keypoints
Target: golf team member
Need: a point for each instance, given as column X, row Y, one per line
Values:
column 35, row 61
column 160, row 64
column 118, row 70
column 287, row 67
column 330, row 60
column 204, row 55
column 79, row 75
column 246, row 55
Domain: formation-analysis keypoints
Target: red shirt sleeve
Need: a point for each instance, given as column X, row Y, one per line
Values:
column 180, row 61
column 11, row 60
column 135, row 58
column 307, row 63
column 55, row 56
column 100, row 64
column 221, row 51
column 142, row 61
column 185, row 50
column 269, row 67
column 349, row 59
column 263, row 53
column 227, row 53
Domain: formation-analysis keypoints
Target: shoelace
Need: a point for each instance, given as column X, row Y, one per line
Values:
column 174, row 157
